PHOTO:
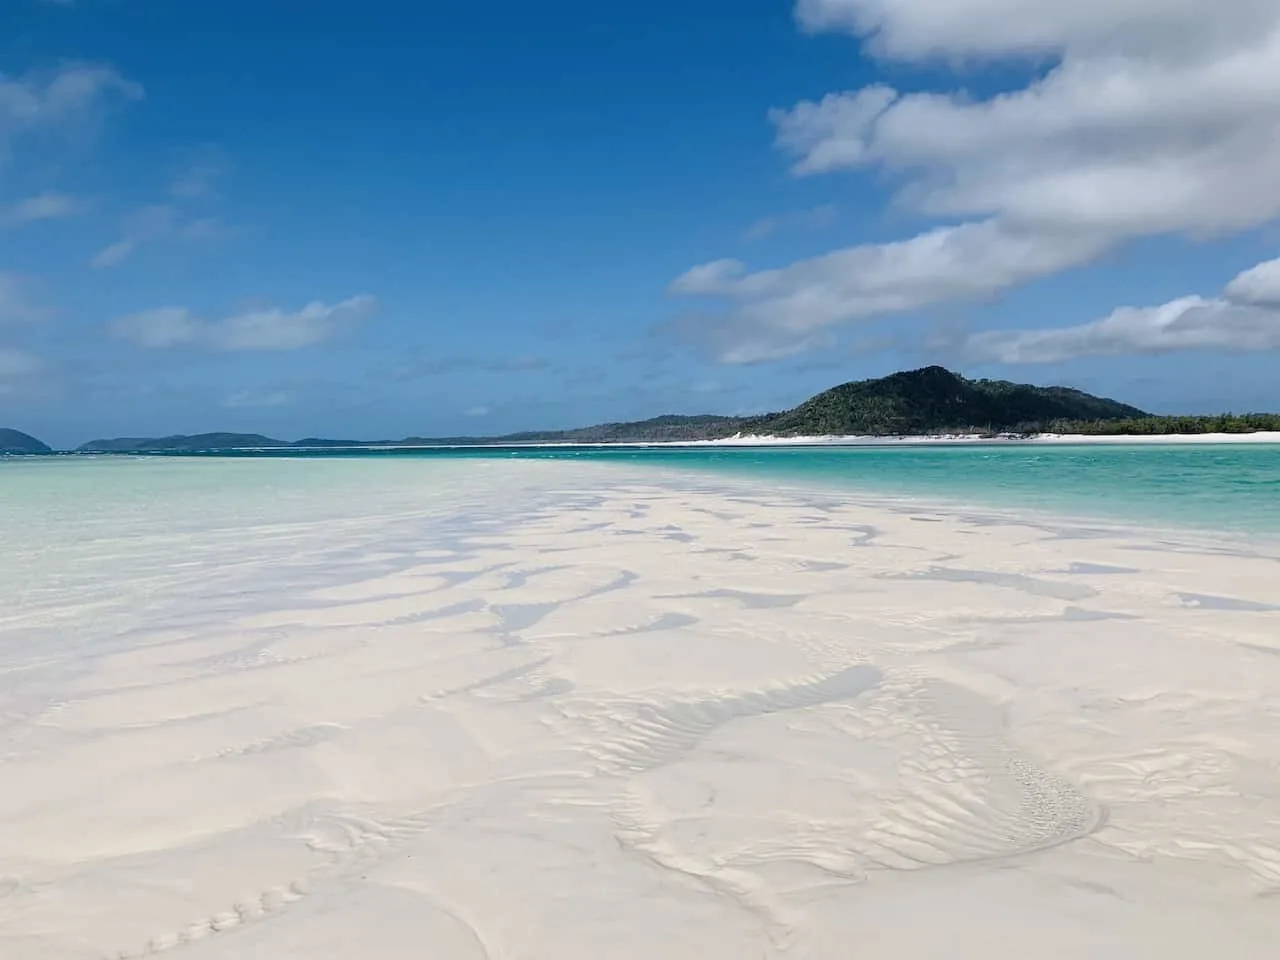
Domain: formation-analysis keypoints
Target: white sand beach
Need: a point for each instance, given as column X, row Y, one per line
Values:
column 592, row 711
column 1260, row 436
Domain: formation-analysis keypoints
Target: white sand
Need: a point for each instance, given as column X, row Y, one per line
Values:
column 639, row 716
column 1261, row 436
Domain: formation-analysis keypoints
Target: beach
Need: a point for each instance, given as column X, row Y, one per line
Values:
column 504, row 709
column 1078, row 439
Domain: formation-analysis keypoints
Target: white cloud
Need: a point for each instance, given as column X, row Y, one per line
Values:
column 1153, row 117
column 708, row 279
column 113, row 254
column 43, row 206
column 1125, row 145
column 829, row 134
column 1245, row 317
column 777, row 313
column 478, row 412
column 155, row 222
column 1258, row 285
column 253, row 330
column 65, row 100
column 278, row 330
column 921, row 29
column 142, row 226
column 151, row 224
column 160, row 328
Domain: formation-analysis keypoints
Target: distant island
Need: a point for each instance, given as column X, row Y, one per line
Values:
column 931, row 401
column 15, row 441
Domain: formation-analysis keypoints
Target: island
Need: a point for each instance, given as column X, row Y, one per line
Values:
column 929, row 402
column 15, row 441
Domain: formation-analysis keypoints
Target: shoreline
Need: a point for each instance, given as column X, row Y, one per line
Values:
column 853, row 440
column 1263, row 437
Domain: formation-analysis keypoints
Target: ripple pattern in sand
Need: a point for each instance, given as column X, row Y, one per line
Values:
column 637, row 735
column 969, row 793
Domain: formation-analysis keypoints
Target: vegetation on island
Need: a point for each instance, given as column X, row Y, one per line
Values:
column 1149, row 426
column 669, row 428
column 931, row 401
column 183, row 443
column 934, row 400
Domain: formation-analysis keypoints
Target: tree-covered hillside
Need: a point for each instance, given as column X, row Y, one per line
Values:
column 935, row 400
column 932, row 400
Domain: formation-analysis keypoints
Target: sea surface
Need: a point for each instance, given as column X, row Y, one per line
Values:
column 96, row 550
column 1232, row 488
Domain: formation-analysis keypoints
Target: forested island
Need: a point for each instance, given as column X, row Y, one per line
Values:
column 15, row 441
column 931, row 401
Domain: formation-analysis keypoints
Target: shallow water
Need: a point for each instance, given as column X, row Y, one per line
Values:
column 1229, row 487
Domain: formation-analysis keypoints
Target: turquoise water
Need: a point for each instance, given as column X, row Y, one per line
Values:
column 1231, row 487
column 1234, row 488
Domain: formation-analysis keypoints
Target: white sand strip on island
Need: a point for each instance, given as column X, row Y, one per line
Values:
column 604, row 712
column 1261, row 436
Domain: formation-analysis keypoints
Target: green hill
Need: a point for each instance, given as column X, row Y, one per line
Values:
column 15, row 441
column 931, row 400
column 667, row 428
column 935, row 400
column 181, row 443
column 927, row 401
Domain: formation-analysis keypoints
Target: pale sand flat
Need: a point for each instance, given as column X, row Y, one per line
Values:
column 619, row 713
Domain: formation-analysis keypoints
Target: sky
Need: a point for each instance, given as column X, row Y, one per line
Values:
column 387, row 219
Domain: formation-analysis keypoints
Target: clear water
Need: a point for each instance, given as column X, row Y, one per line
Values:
column 93, row 547
column 1234, row 488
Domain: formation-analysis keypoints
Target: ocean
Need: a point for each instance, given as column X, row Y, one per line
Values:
column 91, row 540
column 1232, row 488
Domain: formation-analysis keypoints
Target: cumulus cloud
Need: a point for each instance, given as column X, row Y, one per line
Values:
column 1153, row 118
column 921, row 29
column 1246, row 316
column 1258, row 285
column 777, row 313
column 253, row 330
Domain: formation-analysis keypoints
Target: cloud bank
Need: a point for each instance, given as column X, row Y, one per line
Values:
column 1156, row 117
column 1246, row 316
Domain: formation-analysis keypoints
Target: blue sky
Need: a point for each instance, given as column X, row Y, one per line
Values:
column 383, row 219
